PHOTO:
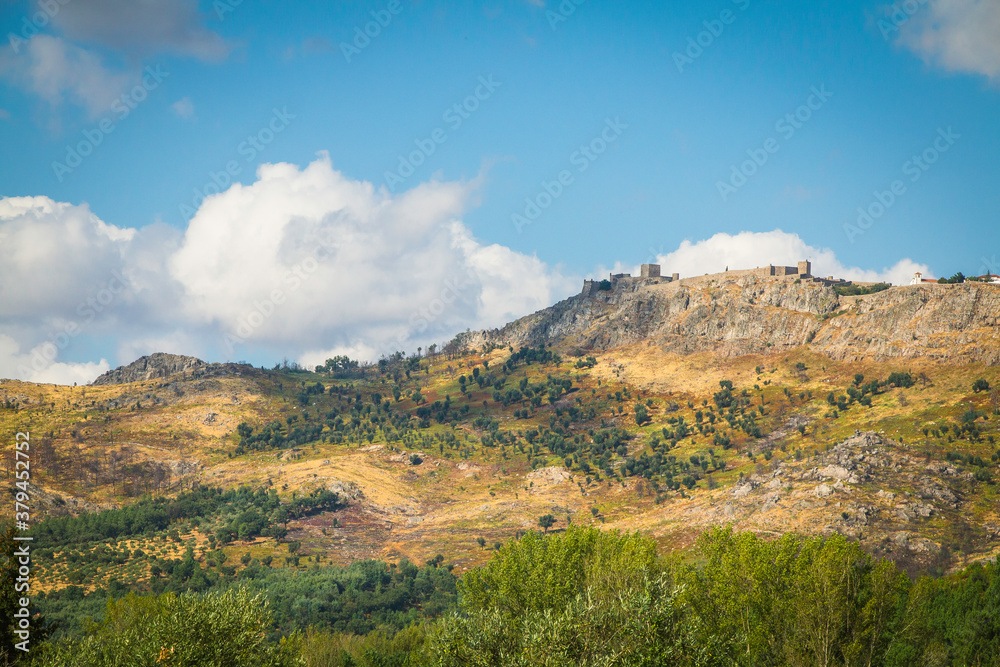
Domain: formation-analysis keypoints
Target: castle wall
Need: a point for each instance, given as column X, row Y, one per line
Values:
column 650, row 274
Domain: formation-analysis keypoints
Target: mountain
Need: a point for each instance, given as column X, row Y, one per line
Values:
column 746, row 314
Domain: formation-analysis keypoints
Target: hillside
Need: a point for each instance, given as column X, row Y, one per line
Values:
column 751, row 315
column 431, row 453
column 770, row 406
column 292, row 482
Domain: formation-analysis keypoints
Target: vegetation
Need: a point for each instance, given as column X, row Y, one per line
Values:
column 356, row 599
column 736, row 599
column 245, row 513
column 855, row 290
column 188, row 630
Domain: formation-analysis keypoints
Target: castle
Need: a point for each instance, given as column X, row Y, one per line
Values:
column 650, row 274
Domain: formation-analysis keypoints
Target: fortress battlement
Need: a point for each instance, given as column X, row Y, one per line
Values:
column 651, row 274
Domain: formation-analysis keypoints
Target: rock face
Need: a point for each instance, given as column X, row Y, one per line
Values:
column 156, row 365
column 161, row 365
column 748, row 315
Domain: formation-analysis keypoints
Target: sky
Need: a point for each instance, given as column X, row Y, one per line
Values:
column 258, row 180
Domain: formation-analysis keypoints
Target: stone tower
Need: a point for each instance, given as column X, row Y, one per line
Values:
column 649, row 271
column 805, row 268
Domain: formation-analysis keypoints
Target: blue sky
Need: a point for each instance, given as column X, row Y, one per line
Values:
column 648, row 112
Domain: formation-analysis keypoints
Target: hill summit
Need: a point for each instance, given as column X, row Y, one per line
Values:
column 157, row 365
column 764, row 311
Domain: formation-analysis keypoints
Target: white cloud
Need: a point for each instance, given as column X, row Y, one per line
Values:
column 37, row 365
column 55, row 70
column 748, row 250
column 74, row 65
column 183, row 108
column 348, row 264
column 958, row 35
column 302, row 262
column 54, row 257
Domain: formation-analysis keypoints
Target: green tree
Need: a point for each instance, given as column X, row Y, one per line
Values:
column 641, row 416
column 220, row 629
column 795, row 601
column 546, row 521
column 980, row 385
column 580, row 598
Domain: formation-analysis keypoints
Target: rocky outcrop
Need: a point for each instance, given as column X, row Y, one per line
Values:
column 748, row 315
column 161, row 365
column 954, row 323
column 154, row 366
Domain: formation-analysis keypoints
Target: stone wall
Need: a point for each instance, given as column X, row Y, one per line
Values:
column 651, row 274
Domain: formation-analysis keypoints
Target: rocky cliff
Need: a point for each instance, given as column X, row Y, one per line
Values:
column 746, row 315
column 156, row 365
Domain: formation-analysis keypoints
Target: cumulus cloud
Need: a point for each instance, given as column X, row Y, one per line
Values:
column 98, row 50
column 37, row 365
column 309, row 257
column 57, row 70
column 142, row 28
column 957, row 35
column 55, row 256
column 303, row 262
column 748, row 250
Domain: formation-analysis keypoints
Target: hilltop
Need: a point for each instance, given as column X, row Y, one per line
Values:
column 161, row 365
column 742, row 312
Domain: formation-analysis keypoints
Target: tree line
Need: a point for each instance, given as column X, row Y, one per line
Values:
column 580, row 597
